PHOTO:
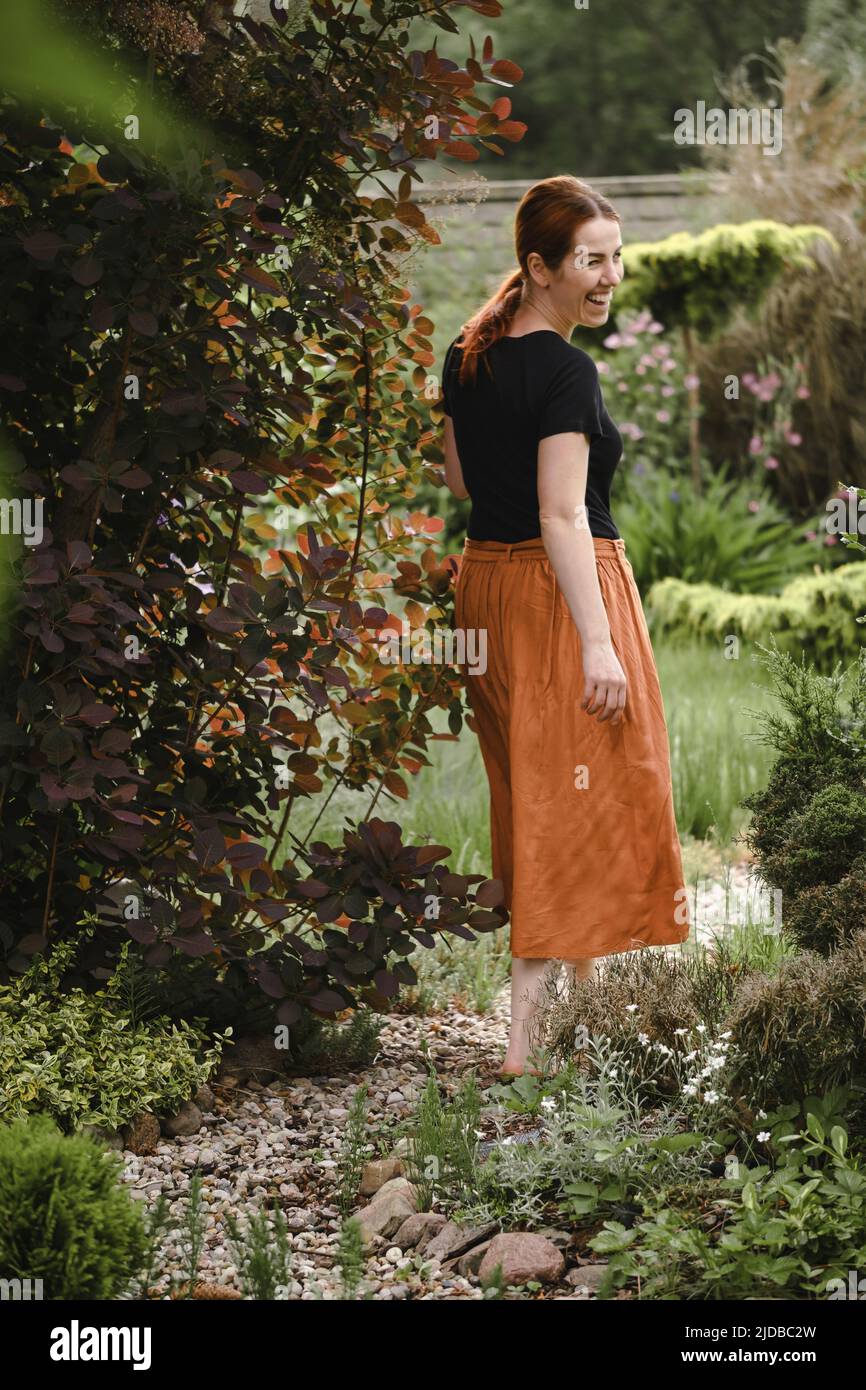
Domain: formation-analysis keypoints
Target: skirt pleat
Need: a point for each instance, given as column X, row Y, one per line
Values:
column 582, row 827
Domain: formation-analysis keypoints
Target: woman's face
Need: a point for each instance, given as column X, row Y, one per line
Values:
column 584, row 282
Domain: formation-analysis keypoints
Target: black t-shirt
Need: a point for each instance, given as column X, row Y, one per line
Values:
column 541, row 385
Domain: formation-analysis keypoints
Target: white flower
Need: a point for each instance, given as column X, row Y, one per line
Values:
column 614, row 1072
column 711, row 1097
column 702, row 1028
column 642, row 1038
column 690, row 1056
column 763, row 1136
column 680, row 1032
column 548, row 1103
column 762, row 1115
column 727, row 1034
column 630, row 1008
column 689, row 1090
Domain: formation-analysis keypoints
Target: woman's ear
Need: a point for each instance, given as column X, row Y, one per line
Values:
column 537, row 269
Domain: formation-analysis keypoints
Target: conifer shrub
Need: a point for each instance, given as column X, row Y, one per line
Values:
column 65, row 1217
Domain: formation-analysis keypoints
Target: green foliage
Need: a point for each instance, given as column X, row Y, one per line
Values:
column 81, row 1058
column 601, row 82
column 699, row 281
column 790, row 1230
column 815, row 615
column 262, row 1254
column 65, row 1216
column 207, row 334
column 731, row 534
column 803, row 1029
column 808, row 827
column 350, row 1257
column 354, row 1150
column 443, row 1142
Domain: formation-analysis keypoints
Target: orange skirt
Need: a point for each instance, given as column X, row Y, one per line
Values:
column 582, row 827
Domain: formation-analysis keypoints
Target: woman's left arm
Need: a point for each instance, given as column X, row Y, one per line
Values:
column 453, row 471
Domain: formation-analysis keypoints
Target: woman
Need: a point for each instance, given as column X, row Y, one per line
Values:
column 568, row 711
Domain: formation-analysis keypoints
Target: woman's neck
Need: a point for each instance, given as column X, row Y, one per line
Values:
column 535, row 312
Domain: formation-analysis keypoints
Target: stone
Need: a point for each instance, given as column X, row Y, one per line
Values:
column 419, row 1229
column 142, row 1134
column 205, row 1098
column 524, row 1257
column 587, row 1276
column 384, row 1215
column 454, row 1240
column 378, row 1172
column 188, row 1120
column 254, row 1058
column 109, row 1138
column 470, row 1263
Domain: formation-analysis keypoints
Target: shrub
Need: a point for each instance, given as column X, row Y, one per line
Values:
column 815, row 614
column 803, row 1029
column 83, row 1059
column 731, row 535
column 808, row 827
column 206, row 331
column 645, row 993
column 65, row 1217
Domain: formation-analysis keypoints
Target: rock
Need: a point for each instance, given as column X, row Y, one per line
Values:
column 454, row 1240
column 188, row 1120
column 254, row 1058
column 205, row 1290
column 205, row 1098
column 142, row 1134
column 470, row 1263
column 523, row 1256
column 109, row 1138
column 384, row 1215
column 587, row 1276
column 378, row 1172
column 419, row 1229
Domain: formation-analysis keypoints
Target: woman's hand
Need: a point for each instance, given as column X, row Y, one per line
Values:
column 604, row 689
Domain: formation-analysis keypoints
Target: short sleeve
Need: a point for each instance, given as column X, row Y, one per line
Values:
column 572, row 400
column 447, row 368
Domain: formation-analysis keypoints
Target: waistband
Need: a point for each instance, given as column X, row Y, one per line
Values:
column 531, row 549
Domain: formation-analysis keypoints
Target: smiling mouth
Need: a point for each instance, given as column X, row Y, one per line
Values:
column 602, row 300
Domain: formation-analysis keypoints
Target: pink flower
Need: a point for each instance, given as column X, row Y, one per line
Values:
column 621, row 386
column 660, row 350
column 794, row 438
column 748, row 378
column 755, row 444
column 613, row 340
column 604, row 366
column 663, row 416
column 668, row 365
column 667, row 390
column 811, row 535
column 640, row 369
column 690, row 380
column 771, row 462
column 803, row 392
column 754, row 506
column 655, row 327
column 629, row 340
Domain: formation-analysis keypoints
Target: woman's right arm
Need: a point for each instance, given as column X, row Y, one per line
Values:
column 563, row 461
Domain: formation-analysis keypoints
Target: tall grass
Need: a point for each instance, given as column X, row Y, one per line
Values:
column 715, row 762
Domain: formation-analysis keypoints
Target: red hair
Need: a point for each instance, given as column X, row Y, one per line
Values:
column 547, row 217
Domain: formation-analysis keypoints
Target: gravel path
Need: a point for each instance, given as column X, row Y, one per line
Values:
column 283, row 1141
